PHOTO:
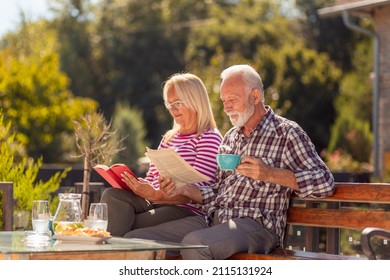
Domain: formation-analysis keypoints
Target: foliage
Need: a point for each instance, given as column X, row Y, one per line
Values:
column 34, row 93
column 97, row 143
column 122, row 50
column 129, row 48
column 352, row 51
column 327, row 34
column 352, row 130
column 235, row 34
column 23, row 174
column 72, row 25
column 294, row 76
column 341, row 161
column 305, row 79
column 96, row 139
column 129, row 122
column 353, row 136
column 356, row 97
column 239, row 28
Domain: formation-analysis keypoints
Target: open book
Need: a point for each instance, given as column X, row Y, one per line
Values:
column 171, row 164
column 113, row 173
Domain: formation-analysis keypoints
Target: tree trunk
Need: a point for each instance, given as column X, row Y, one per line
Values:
column 85, row 194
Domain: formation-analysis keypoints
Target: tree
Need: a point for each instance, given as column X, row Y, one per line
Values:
column 73, row 24
column 305, row 85
column 327, row 34
column 352, row 131
column 129, row 47
column 122, row 51
column 35, row 95
column 257, row 33
column 97, row 143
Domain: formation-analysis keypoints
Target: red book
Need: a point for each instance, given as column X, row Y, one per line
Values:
column 113, row 173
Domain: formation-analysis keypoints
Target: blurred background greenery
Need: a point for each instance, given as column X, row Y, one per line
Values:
column 112, row 56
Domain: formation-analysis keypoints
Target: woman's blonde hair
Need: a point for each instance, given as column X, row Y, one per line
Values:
column 190, row 89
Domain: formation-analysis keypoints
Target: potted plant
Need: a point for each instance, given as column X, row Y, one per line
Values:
column 97, row 143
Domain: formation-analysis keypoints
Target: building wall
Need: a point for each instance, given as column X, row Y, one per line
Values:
column 382, row 25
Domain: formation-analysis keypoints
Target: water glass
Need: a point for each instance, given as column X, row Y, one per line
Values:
column 40, row 216
column 98, row 216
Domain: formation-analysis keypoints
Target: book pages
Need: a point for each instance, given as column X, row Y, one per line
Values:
column 171, row 164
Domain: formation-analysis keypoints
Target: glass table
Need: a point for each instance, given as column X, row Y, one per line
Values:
column 13, row 246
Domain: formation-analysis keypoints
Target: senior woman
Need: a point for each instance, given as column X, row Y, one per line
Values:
column 194, row 136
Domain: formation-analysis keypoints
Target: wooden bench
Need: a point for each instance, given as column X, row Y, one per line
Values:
column 356, row 206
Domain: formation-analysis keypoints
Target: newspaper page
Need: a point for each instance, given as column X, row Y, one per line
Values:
column 171, row 164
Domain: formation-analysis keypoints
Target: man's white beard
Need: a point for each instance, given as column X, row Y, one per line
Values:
column 243, row 117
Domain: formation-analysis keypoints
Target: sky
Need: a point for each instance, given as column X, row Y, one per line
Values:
column 10, row 12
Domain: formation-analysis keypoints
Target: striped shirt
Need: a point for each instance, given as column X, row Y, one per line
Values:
column 280, row 143
column 198, row 150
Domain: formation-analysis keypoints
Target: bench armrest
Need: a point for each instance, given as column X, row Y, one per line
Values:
column 366, row 236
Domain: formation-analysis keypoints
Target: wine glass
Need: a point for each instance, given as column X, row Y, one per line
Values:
column 40, row 216
column 98, row 216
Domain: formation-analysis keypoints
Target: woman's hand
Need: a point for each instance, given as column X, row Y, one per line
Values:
column 184, row 194
column 167, row 187
column 140, row 187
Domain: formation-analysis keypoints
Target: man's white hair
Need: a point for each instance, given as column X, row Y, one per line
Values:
column 251, row 78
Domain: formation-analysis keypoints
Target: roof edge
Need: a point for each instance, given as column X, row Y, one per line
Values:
column 359, row 5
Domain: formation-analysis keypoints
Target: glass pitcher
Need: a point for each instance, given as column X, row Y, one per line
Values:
column 68, row 212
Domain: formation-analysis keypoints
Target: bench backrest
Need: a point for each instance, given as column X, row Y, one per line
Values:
column 352, row 206
column 311, row 213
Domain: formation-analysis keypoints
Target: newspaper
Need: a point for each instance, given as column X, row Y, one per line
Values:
column 171, row 164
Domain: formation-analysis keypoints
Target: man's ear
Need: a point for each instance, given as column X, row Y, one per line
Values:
column 256, row 95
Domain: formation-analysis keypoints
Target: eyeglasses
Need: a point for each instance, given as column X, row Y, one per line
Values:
column 174, row 105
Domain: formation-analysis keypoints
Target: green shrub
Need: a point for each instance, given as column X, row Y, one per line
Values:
column 23, row 174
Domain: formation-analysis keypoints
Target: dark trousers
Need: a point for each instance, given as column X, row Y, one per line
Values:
column 223, row 240
column 127, row 211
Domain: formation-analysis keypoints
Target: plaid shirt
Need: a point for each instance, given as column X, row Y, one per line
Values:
column 280, row 143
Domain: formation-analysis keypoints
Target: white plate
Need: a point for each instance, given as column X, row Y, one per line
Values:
column 82, row 238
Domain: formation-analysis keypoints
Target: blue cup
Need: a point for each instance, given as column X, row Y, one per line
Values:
column 228, row 161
